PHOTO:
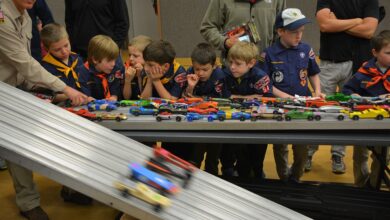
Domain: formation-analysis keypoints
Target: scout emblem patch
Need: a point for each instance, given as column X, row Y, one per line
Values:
column 277, row 76
column 303, row 76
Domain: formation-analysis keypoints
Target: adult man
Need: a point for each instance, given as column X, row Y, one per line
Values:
column 85, row 18
column 16, row 63
column 222, row 16
column 346, row 29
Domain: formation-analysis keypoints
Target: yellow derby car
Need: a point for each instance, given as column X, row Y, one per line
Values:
column 111, row 116
column 378, row 114
column 143, row 192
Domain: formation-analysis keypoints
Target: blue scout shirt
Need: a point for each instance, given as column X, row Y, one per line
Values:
column 214, row 87
column 256, row 81
column 113, row 79
column 365, row 85
column 72, row 73
column 173, row 80
column 289, row 68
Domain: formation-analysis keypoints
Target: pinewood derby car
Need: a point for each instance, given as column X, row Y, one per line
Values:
column 130, row 188
column 111, row 116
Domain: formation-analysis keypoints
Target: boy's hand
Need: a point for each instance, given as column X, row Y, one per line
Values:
column 75, row 96
column 155, row 73
column 192, row 80
column 319, row 94
column 139, row 67
column 130, row 73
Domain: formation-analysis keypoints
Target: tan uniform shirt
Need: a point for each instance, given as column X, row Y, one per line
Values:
column 16, row 61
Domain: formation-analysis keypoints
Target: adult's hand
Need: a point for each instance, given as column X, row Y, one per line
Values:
column 75, row 96
column 233, row 39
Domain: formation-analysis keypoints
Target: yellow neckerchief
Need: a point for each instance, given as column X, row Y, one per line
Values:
column 63, row 68
column 165, row 80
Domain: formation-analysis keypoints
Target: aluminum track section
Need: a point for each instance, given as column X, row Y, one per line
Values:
column 89, row 158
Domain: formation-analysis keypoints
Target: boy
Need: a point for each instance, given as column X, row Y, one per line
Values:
column 245, row 80
column 289, row 63
column 105, row 67
column 163, row 77
column 60, row 61
column 372, row 79
column 134, row 65
column 205, row 79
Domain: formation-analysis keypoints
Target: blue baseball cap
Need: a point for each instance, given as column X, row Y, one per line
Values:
column 291, row 19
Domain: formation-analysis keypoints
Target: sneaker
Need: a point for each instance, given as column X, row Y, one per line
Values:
column 338, row 166
column 3, row 164
column 35, row 214
column 308, row 164
column 72, row 196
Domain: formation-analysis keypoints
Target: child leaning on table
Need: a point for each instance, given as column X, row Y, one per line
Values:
column 134, row 65
column 162, row 77
column 372, row 79
column 205, row 79
column 105, row 68
column 61, row 61
column 245, row 80
column 290, row 64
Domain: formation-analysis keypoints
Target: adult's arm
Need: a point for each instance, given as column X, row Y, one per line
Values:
column 212, row 23
column 15, row 52
column 329, row 23
column 121, row 21
column 366, row 29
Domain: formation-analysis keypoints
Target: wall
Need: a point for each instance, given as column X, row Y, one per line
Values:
column 181, row 19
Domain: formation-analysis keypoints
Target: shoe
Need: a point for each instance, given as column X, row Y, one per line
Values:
column 338, row 166
column 35, row 214
column 72, row 196
column 308, row 164
column 3, row 164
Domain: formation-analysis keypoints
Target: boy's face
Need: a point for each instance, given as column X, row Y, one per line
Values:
column 105, row 65
column 24, row 4
column 203, row 71
column 291, row 38
column 383, row 56
column 240, row 67
column 150, row 65
column 135, row 56
column 60, row 49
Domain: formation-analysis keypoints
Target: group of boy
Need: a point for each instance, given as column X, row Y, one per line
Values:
column 151, row 71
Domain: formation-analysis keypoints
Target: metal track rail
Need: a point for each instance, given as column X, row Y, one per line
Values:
column 89, row 158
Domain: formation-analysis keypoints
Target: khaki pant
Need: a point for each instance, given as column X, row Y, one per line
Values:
column 281, row 160
column 360, row 167
column 27, row 195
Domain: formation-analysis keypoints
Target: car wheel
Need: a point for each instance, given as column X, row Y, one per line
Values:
column 178, row 118
column 355, row 117
column 317, row 117
column 221, row 118
column 189, row 118
column 288, row 118
column 118, row 119
column 210, row 119
column 279, row 118
column 136, row 113
column 123, row 104
column 254, row 118
column 242, row 118
column 91, row 109
column 340, row 117
column 379, row 117
column 310, row 118
column 99, row 119
column 157, row 208
column 108, row 109
column 125, row 193
column 158, row 118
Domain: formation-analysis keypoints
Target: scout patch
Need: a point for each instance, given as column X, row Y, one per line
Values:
column 302, row 55
column 312, row 55
column 118, row 74
column 262, row 84
column 1, row 16
column 111, row 78
column 277, row 76
column 218, row 87
column 181, row 79
column 303, row 76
